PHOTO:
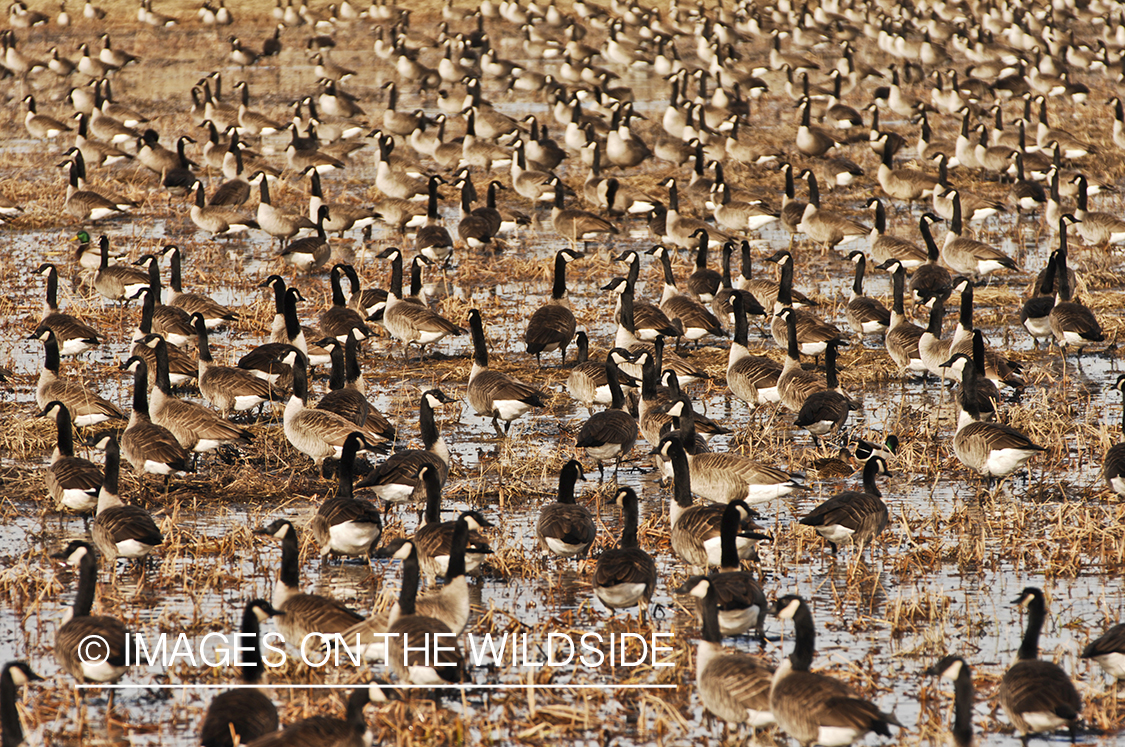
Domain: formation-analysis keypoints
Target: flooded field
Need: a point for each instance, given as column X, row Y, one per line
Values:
column 942, row 578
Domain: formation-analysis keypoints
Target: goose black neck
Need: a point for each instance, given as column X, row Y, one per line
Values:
column 300, row 379
column 741, row 323
column 432, row 482
column 568, row 477
column 963, row 707
column 673, row 197
column 264, row 190
column 410, row 578
column 352, row 373
column 814, row 190
column 11, row 733
column 790, row 187
column 785, row 284
column 932, row 252
column 292, row 324
column 627, row 320
column 943, row 171
column 681, row 474
column 937, row 316
column 337, row 287
column 582, row 343
column 396, row 274
column 898, row 281
column 336, row 378
column 617, row 397
column 880, row 217
column 631, row 517
column 728, row 536
column 87, row 584
column 201, row 341
column 666, row 264
column 140, row 388
column 52, row 289
column 1047, row 284
column 860, row 267
column 711, row 631
column 51, row 354
column 416, row 277
column 251, row 646
column 792, row 348
column 103, row 247
column 870, row 471
column 163, row 377
column 431, row 199
column 966, row 318
column 466, row 198
column 290, row 572
column 490, row 200
column 65, row 439
column 728, row 250
column 154, row 285
column 830, row 366
column 480, row 348
column 804, row 639
column 346, row 468
column 955, row 224
column 176, row 277
column 112, row 473
column 558, row 290
column 459, row 545
column 426, row 423
column 1036, row 612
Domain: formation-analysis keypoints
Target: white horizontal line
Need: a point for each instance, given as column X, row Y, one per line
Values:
column 391, row 687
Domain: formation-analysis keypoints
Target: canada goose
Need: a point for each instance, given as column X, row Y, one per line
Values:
column 969, row 256
column 72, row 481
column 319, row 434
column 1072, row 323
column 1036, row 311
column 496, row 394
column 195, row 427
column 86, row 407
column 623, row 148
column 346, row 394
column 904, row 184
column 954, row 668
column 218, row 220
column 311, row 252
column 342, row 217
column 693, row 318
column 178, row 180
column 993, row 450
column 812, row 141
column 411, row 323
column 412, row 634
column 182, row 367
column 86, row 204
column 395, row 480
column 536, row 186
column 815, row 708
column 433, row 240
column 171, row 322
column 339, row 320
column 680, row 229
column 813, row 334
column 886, row 246
column 865, row 315
column 792, row 210
column 215, row 314
column 147, row 446
column 996, row 367
column 738, row 216
column 733, row 686
column 826, row 227
column 934, row 350
column 751, row 378
column 794, row 384
column 302, row 613
column 95, row 151
column 902, row 336
column 1036, row 695
column 611, row 434
column 625, row 575
column 15, row 675
column 73, row 336
column 930, row 280
column 1109, row 651
column 78, row 625
column 433, row 538
column 1096, row 228
column 152, row 155
column 1024, row 194
column 117, row 282
column 477, row 230
column 853, row 517
column 566, row 528
column 449, row 604
column 576, row 225
column 696, row 530
column 285, row 329
column 245, row 713
column 763, row 289
column 1045, row 135
column 280, row 225
column 721, row 302
column 120, row 530
column 552, row 325
column 649, row 321
column 40, row 126
column 589, row 380
column 227, row 388
column 345, row 525
column 826, row 410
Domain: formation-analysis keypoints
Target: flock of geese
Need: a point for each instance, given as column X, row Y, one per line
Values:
column 706, row 173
